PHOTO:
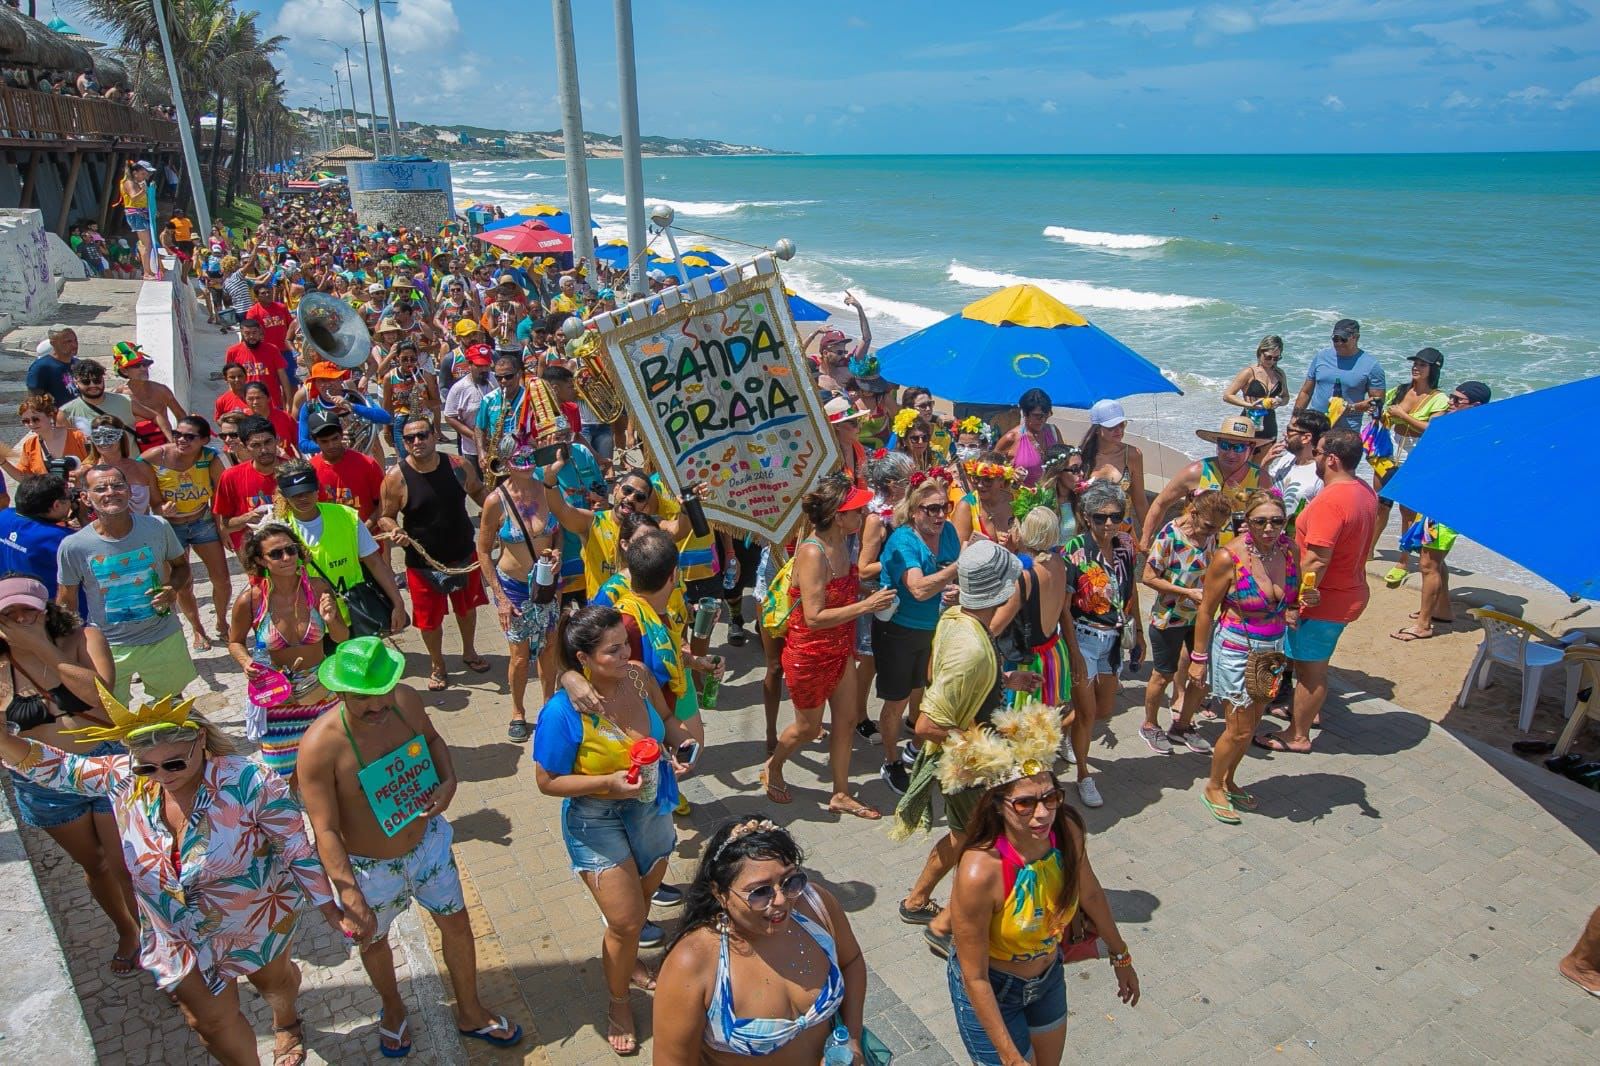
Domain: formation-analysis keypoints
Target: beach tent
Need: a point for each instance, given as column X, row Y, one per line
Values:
column 1548, row 432
column 1017, row 339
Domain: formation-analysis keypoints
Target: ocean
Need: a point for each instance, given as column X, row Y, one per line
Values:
column 1190, row 260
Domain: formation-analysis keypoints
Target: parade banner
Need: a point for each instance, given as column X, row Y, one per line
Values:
column 719, row 390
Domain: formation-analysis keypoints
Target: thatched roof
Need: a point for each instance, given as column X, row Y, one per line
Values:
column 345, row 153
column 109, row 71
column 29, row 42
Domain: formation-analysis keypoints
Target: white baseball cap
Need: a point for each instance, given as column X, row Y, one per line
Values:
column 1107, row 413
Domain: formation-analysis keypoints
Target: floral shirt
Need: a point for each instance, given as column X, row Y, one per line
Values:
column 1100, row 586
column 228, row 901
column 1181, row 561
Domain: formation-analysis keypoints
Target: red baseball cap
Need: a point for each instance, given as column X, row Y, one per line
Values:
column 856, row 499
column 480, row 354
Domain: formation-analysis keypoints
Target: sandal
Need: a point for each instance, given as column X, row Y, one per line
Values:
column 201, row 642
column 486, row 1032
column 1242, row 799
column 778, row 793
column 1222, row 812
column 1275, row 742
column 919, row 915
column 398, row 1035
column 623, row 1043
column 295, row 1054
column 124, row 965
column 646, row 985
column 476, row 663
column 853, row 807
column 1410, row 633
column 438, row 681
column 1396, row 577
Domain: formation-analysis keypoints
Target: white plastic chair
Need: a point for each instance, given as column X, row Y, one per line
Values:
column 1587, row 660
column 1511, row 642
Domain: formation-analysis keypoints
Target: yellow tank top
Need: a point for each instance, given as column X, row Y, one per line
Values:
column 1024, row 927
column 133, row 196
column 1236, row 493
column 603, row 748
column 190, row 490
column 182, row 229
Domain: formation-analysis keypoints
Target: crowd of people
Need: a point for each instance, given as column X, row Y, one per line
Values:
column 964, row 594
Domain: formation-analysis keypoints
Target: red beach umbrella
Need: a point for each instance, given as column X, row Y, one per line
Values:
column 528, row 238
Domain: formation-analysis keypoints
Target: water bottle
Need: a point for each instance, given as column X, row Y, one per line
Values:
column 838, row 1052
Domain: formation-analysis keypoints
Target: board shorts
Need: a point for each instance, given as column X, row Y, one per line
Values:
column 531, row 621
column 429, row 605
column 903, row 655
column 165, row 667
column 427, row 873
column 1167, row 646
column 1313, row 640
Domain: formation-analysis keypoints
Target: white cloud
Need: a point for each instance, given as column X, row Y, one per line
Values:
column 1531, row 94
column 1332, row 103
column 1589, row 87
column 413, row 26
column 1227, row 21
column 1459, row 101
column 1243, row 106
column 857, row 109
column 1048, row 107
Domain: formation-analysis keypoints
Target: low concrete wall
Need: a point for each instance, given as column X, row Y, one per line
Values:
column 27, row 285
column 164, row 325
column 40, row 1016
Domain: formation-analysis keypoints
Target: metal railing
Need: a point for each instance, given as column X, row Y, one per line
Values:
column 26, row 114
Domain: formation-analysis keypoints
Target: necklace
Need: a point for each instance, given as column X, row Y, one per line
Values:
column 1266, row 556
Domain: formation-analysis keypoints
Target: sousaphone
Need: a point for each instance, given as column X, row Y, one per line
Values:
column 334, row 330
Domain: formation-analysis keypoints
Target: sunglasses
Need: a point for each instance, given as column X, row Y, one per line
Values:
column 411, row 438
column 1232, row 446
column 762, row 898
column 171, row 766
column 1108, row 517
column 286, row 552
column 91, row 378
column 1457, row 401
column 177, row 435
column 229, row 436
column 1275, row 523
column 1072, row 470
column 506, row 377
column 917, row 438
column 639, row 495
column 1036, row 414
column 1026, row 805
column 935, row 510
column 1340, row 338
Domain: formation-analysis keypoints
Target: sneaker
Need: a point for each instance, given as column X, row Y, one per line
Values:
column 1157, row 739
column 667, row 896
column 518, row 729
column 1089, row 793
column 651, row 936
column 738, row 636
column 909, row 752
column 1067, row 753
column 940, row 944
column 1191, row 739
column 866, row 729
column 895, row 776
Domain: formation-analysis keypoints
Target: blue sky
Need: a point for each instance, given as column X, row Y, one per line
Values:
column 954, row 75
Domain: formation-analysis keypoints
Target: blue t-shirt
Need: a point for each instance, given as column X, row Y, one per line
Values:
column 1354, row 379
column 28, row 546
column 905, row 550
column 561, row 729
column 581, row 474
column 51, row 376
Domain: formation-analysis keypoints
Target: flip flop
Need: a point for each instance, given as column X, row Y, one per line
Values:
column 438, row 682
column 776, row 793
column 398, row 1036
column 1396, row 577
column 1273, row 742
column 1408, row 634
column 1436, row 621
column 1243, row 799
column 477, row 664
column 648, row 985
column 130, row 961
column 858, row 810
column 1220, row 811
column 486, row 1033
column 295, row 1055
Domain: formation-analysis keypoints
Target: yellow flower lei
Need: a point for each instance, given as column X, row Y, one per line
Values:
column 979, row 468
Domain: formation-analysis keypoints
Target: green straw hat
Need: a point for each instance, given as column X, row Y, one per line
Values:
column 363, row 665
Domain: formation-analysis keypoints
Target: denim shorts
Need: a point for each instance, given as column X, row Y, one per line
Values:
column 1027, row 1006
column 602, row 833
column 1100, row 648
column 602, row 440
column 46, row 808
column 1229, row 653
column 1313, row 640
column 196, row 531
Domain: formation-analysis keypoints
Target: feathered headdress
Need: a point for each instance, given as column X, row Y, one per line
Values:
column 1019, row 742
column 1026, row 499
column 127, row 724
column 864, row 366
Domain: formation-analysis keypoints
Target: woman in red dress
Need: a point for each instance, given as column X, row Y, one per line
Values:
column 819, row 654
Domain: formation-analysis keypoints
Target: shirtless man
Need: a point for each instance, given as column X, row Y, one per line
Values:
column 377, row 874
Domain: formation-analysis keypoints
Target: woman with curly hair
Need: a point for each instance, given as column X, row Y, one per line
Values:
column 275, row 636
column 765, row 964
column 1251, row 599
column 888, row 473
column 45, row 441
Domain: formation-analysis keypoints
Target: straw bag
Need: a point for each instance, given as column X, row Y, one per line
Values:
column 1263, row 671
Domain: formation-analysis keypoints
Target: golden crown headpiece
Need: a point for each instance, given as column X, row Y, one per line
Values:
column 128, row 724
column 1019, row 742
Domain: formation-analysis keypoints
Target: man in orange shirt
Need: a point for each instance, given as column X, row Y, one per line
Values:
column 1334, row 532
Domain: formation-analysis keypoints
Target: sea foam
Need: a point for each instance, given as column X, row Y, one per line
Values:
column 1075, row 293
column 704, row 207
column 1089, row 238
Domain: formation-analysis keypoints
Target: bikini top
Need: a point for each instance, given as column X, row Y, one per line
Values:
column 1023, row 928
column 270, row 637
column 34, row 709
column 512, row 531
column 726, row 1031
column 1028, row 457
column 1246, row 609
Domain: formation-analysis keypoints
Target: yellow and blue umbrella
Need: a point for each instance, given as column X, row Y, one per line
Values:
column 1017, row 339
column 613, row 254
column 802, row 309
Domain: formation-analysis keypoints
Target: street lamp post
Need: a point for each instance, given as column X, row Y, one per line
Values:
column 632, row 162
column 191, row 158
column 388, row 84
column 355, row 127
column 572, row 133
column 366, row 62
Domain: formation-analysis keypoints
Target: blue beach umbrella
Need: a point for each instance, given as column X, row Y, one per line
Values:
column 1017, row 339
column 613, row 254
column 804, row 310
column 1553, row 423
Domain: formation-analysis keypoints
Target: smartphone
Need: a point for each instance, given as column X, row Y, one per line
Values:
column 689, row 752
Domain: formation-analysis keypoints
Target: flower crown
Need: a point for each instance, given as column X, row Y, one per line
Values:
column 864, row 366
column 982, row 468
column 128, row 723
column 974, row 424
column 933, row 473
column 903, row 421
column 745, row 828
column 1019, row 742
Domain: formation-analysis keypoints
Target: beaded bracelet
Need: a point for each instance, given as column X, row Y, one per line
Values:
column 1199, row 656
column 1121, row 960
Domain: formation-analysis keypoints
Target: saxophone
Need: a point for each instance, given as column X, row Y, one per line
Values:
column 592, row 378
column 534, row 419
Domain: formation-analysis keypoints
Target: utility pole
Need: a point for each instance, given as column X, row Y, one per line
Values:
column 338, row 96
column 191, row 158
column 572, row 134
column 355, row 126
column 388, row 85
column 632, row 162
column 372, row 99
